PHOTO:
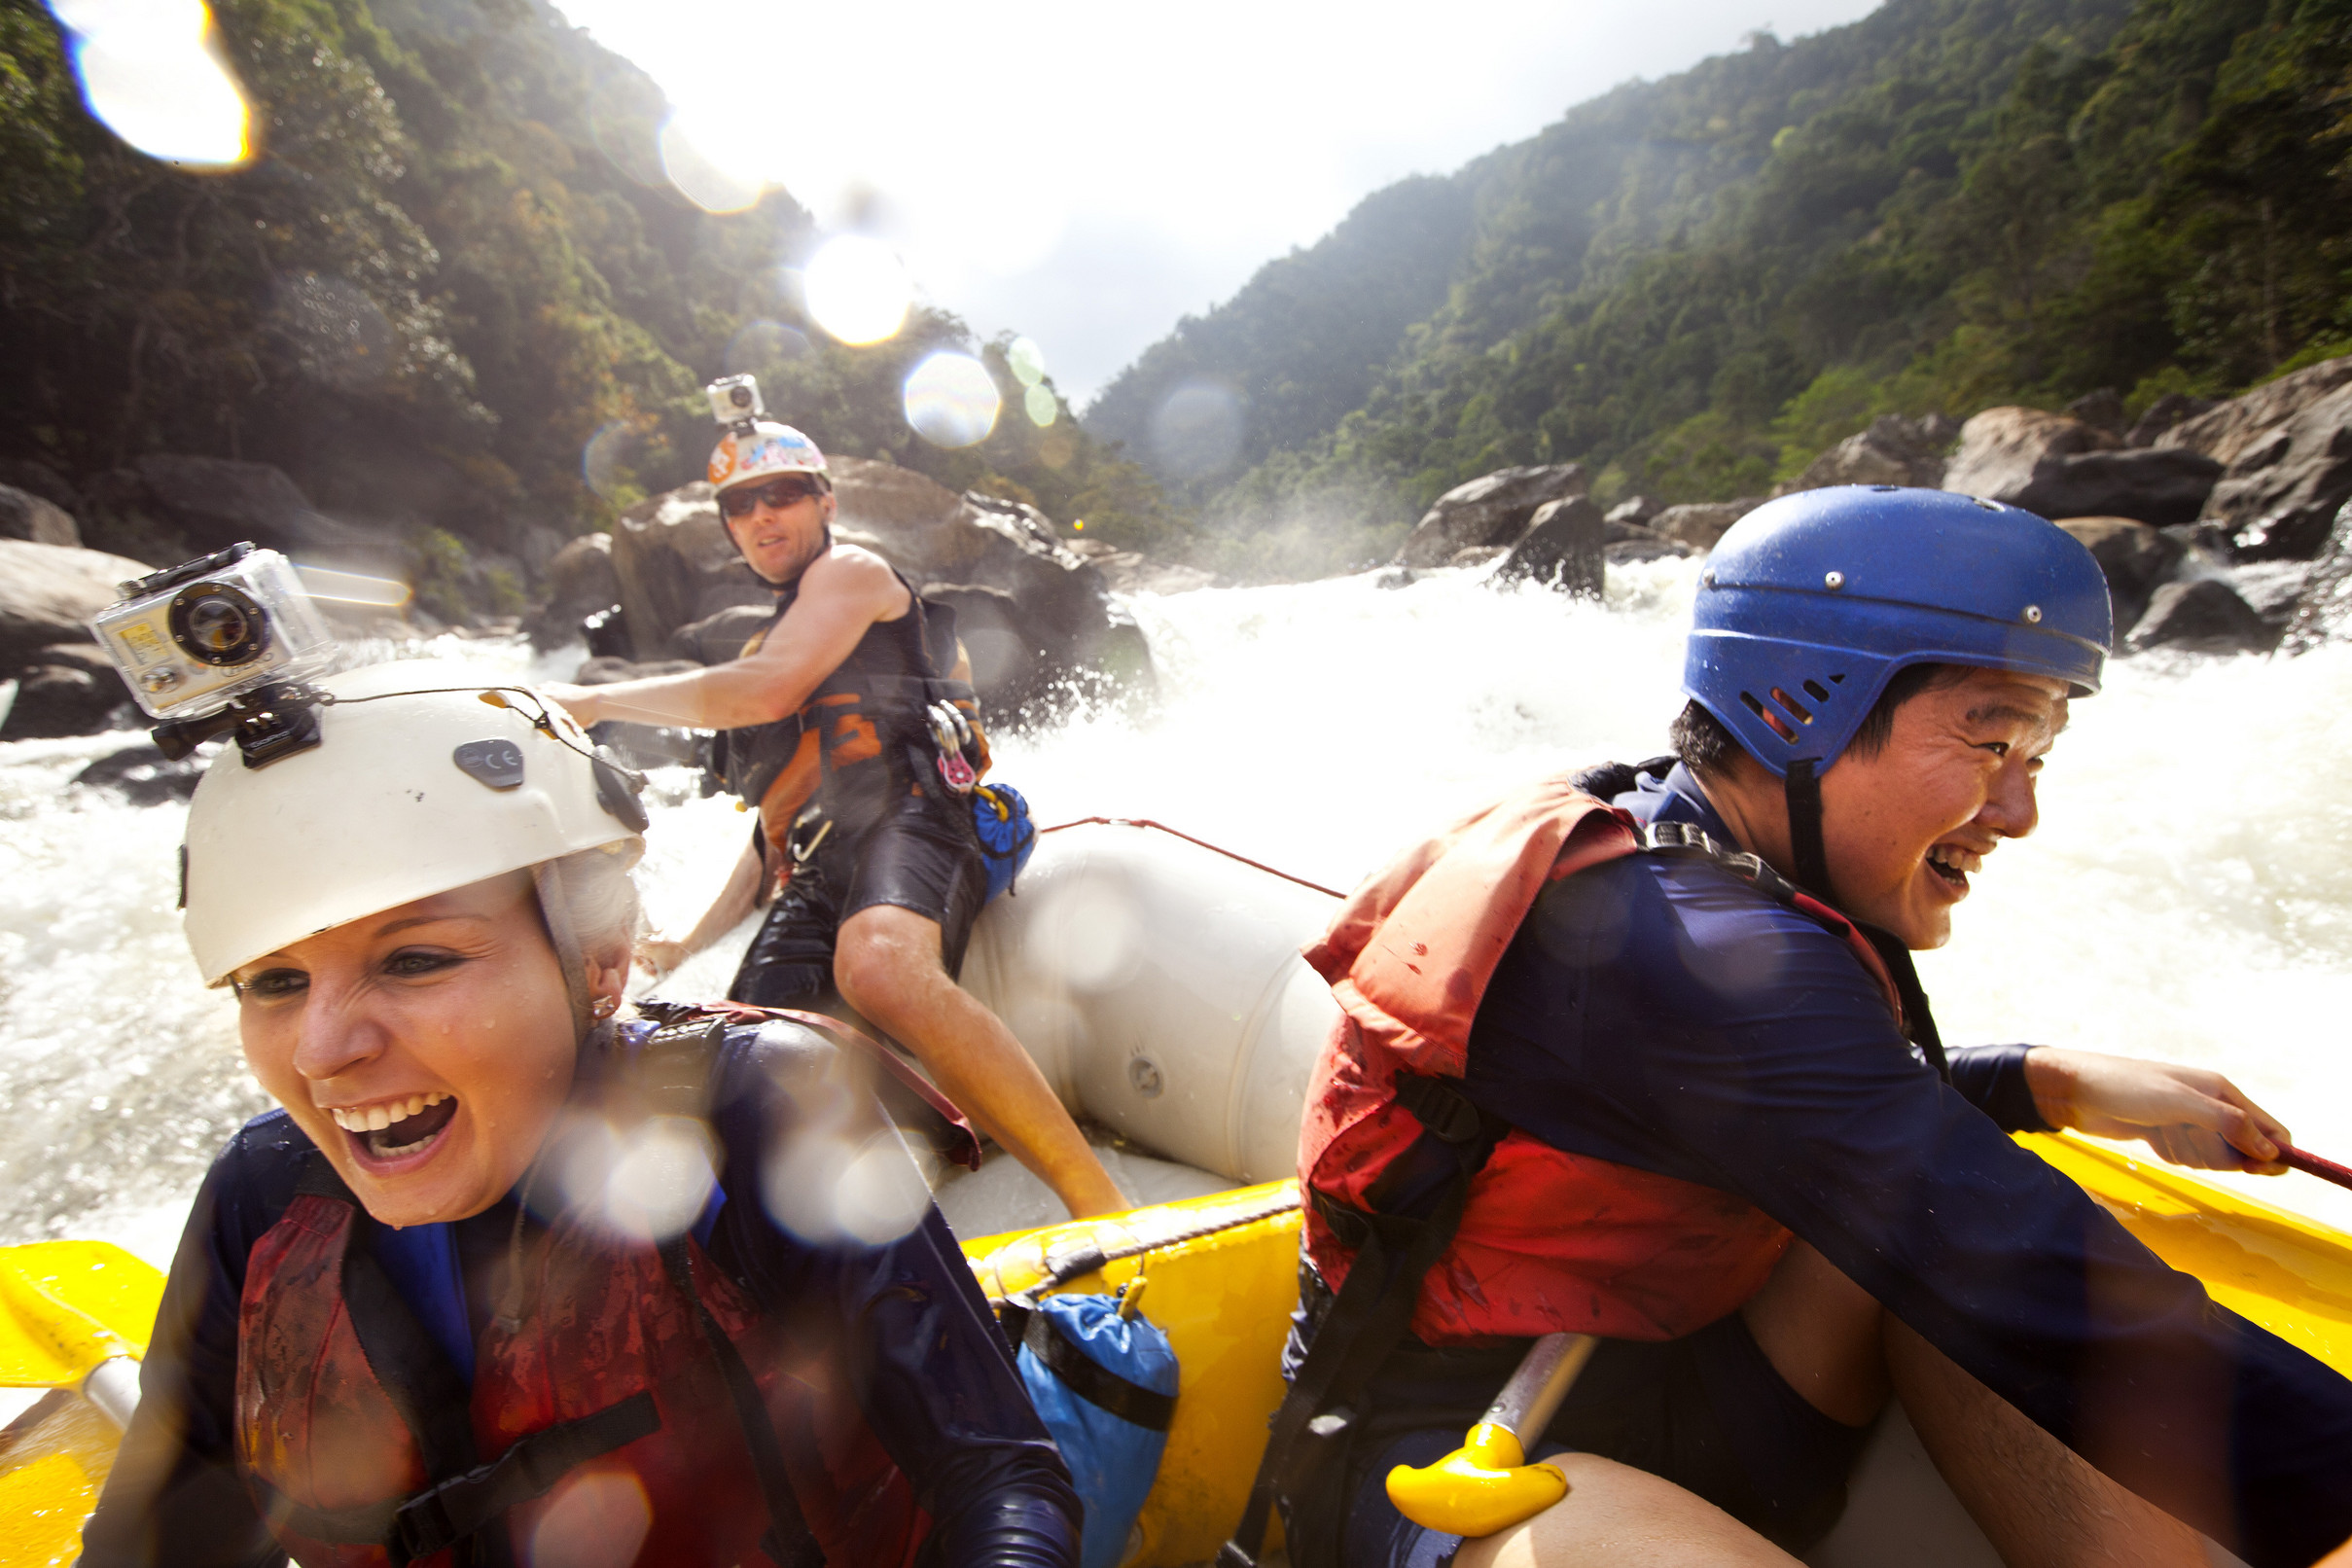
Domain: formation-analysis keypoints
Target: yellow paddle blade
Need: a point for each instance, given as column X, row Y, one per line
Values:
column 68, row 1305
column 50, row 1479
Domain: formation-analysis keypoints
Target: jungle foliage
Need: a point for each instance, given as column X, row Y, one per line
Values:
column 454, row 292
column 1695, row 285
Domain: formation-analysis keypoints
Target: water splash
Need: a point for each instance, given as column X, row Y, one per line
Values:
column 2188, row 895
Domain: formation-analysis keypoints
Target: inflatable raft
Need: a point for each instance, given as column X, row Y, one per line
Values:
column 1158, row 986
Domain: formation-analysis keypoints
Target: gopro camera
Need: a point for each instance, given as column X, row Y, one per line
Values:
column 734, row 400
column 193, row 640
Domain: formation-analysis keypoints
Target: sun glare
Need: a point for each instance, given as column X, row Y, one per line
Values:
column 704, row 162
column 953, row 401
column 857, row 289
column 153, row 73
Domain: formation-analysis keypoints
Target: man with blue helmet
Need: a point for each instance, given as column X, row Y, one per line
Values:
column 1641, row 1054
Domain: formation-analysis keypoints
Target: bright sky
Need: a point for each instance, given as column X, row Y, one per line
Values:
column 1088, row 173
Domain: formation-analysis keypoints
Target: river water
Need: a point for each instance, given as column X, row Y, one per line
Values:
column 2188, row 897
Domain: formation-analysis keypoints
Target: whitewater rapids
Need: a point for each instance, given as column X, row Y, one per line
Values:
column 2189, row 896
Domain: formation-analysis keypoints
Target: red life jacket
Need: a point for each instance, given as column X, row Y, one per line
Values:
column 1550, row 1239
column 600, row 1427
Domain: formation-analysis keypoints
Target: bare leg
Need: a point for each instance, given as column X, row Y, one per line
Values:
column 1623, row 1517
column 886, row 962
column 2040, row 1504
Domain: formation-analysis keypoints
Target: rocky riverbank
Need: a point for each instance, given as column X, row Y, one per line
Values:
column 2221, row 526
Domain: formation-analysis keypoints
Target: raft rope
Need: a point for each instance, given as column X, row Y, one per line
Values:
column 1147, row 821
column 1064, row 1266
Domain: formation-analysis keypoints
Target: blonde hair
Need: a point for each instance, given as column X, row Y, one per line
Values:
column 600, row 897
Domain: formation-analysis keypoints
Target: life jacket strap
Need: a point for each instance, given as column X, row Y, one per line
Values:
column 439, row 1518
column 1367, row 1321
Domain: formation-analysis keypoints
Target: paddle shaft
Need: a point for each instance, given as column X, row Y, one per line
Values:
column 1529, row 1401
column 2310, row 1164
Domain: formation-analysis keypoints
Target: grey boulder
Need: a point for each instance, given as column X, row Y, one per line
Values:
column 26, row 516
column 47, row 593
column 2280, row 496
column 1494, row 509
column 2225, row 430
column 1893, row 450
column 2061, row 466
column 2136, row 558
column 580, row 581
column 1700, row 524
column 70, row 688
column 217, row 502
column 2203, row 615
column 1562, row 548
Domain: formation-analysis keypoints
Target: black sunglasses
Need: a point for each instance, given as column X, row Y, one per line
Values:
column 778, row 493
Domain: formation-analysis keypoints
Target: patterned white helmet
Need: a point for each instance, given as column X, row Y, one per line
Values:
column 769, row 450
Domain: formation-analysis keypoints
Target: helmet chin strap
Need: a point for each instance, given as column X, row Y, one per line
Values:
column 548, row 877
column 1802, row 788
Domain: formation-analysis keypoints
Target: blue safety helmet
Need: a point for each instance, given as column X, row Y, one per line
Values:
column 1813, row 602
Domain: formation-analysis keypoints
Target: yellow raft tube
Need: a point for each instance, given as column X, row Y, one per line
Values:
column 1221, row 1278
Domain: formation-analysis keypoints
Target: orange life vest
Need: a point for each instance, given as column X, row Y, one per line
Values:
column 602, row 1416
column 1550, row 1239
column 862, row 740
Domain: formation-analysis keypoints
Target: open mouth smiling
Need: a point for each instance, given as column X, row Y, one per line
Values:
column 1953, row 864
column 395, row 1131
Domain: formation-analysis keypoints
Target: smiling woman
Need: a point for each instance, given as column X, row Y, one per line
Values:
column 479, row 1283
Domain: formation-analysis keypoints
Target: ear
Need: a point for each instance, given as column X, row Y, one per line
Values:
column 827, row 506
column 607, row 974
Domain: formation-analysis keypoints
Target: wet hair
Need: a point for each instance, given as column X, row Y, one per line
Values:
column 1700, row 742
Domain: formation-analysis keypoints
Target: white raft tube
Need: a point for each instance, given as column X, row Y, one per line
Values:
column 1159, row 986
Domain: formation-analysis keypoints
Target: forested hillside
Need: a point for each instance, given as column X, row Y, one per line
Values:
column 455, row 296
column 1695, row 285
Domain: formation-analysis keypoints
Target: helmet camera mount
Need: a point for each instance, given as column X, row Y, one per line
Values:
column 735, row 403
column 220, row 645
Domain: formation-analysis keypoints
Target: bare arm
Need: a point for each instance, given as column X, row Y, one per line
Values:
column 736, row 899
column 841, row 594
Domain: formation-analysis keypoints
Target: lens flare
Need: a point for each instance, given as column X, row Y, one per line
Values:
column 1027, row 362
column 152, row 71
column 351, row 588
column 605, row 461
column 953, row 401
column 1196, row 433
column 858, row 290
column 757, row 345
column 1040, row 406
column 710, row 180
column 651, row 1180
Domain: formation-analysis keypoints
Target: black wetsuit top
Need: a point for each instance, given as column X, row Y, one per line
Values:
column 1659, row 1013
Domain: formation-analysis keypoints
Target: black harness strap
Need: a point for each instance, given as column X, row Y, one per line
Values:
column 449, row 1512
column 1803, row 790
column 1367, row 1321
column 1094, row 1382
column 788, row 1541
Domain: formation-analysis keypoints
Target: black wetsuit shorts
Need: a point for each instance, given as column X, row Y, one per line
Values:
column 922, row 855
column 1707, row 1411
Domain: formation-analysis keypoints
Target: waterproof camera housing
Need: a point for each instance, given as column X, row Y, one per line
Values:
column 193, row 640
column 734, row 400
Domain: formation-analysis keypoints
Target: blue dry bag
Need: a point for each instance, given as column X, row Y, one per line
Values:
column 1006, row 836
column 1106, row 1386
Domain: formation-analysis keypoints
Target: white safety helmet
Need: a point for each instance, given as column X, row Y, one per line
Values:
column 769, row 450
column 418, row 785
